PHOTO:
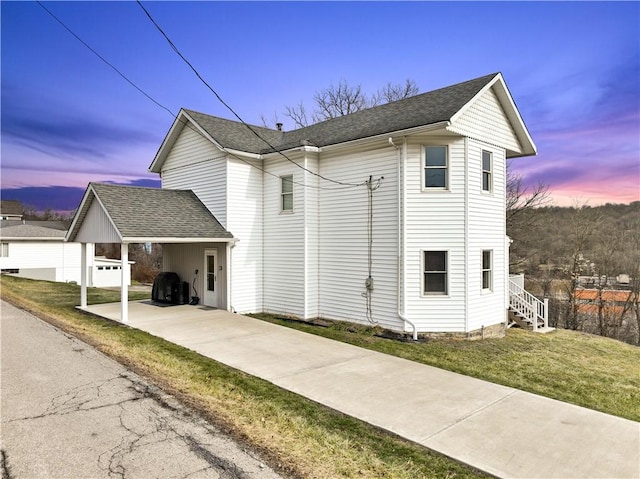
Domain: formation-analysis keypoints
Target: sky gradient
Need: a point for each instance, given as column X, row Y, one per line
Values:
column 67, row 118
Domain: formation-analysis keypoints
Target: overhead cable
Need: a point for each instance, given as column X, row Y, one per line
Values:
column 275, row 150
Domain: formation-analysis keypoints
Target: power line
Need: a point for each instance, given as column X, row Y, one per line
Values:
column 276, row 150
column 124, row 77
column 173, row 115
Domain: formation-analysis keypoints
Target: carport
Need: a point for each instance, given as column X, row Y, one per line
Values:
column 127, row 215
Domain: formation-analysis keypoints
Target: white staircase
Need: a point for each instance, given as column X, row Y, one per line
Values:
column 527, row 311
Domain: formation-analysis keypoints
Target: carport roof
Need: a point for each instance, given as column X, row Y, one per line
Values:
column 129, row 214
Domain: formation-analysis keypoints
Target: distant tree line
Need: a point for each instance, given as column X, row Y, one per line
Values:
column 564, row 251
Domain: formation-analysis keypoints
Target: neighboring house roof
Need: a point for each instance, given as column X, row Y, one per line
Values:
column 31, row 231
column 11, row 208
column 56, row 225
column 134, row 214
column 431, row 108
column 607, row 295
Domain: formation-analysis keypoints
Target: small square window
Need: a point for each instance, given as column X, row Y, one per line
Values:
column 286, row 184
column 487, row 160
column 435, row 167
column 435, row 272
column 487, row 269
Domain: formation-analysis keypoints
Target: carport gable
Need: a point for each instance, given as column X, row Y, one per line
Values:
column 128, row 214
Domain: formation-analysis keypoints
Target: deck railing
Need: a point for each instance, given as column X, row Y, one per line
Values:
column 527, row 306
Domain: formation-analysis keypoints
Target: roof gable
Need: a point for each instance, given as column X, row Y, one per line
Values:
column 444, row 105
column 113, row 213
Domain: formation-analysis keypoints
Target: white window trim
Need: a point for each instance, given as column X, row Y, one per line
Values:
column 447, row 272
column 4, row 250
column 282, row 195
column 489, row 171
column 489, row 270
column 423, row 168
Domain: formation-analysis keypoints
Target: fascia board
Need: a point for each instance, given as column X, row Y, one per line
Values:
column 153, row 239
column 176, row 128
column 83, row 205
column 384, row 136
column 512, row 113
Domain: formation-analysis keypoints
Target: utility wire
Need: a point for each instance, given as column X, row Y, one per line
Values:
column 276, row 150
column 173, row 115
column 124, row 77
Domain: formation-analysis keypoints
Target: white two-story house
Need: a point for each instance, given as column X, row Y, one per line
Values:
column 394, row 215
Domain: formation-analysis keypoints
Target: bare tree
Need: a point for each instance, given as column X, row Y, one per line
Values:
column 521, row 200
column 394, row 92
column 584, row 223
column 344, row 98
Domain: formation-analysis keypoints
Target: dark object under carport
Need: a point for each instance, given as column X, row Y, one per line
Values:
column 167, row 288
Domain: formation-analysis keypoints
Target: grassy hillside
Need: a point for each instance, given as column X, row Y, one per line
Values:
column 307, row 440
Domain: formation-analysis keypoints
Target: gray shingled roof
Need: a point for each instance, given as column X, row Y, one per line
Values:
column 11, row 207
column 152, row 213
column 11, row 230
column 419, row 110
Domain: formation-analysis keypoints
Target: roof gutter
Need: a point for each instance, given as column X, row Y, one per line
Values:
column 384, row 136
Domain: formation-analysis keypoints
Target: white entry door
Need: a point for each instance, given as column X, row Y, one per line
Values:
column 211, row 278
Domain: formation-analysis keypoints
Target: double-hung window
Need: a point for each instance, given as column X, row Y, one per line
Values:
column 487, row 269
column 4, row 250
column 436, row 167
column 487, row 164
column 286, row 193
column 435, row 272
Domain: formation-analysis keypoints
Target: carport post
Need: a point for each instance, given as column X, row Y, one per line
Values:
column 124, row 290
column 83, row 275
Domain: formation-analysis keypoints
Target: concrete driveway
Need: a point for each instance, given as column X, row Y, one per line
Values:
column 500, row 430
column 68, row 411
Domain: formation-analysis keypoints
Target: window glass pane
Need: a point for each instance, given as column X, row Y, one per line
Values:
column 287, row 184
column 435, row 261
column 287, row 202
column 436, row 156
column 486, row 259
column 486, row 181
column 486, row 279
column 486, row 161
column 435, row 178
column 435, row 283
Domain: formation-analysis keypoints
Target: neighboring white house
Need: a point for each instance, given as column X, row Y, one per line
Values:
column 393, row 215
column 37, row 250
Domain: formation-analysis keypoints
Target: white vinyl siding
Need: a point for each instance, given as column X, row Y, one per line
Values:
column 284, row 245
column 97, row 227
column 487, row 231
column 343, row 236
column 45, row 260
column 194, row 163
column 244, row 221
column 435, row 222
column 485, row 120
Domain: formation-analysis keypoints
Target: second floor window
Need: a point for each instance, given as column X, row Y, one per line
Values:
column 436, row 167
column 286, row 193
column 486, row 171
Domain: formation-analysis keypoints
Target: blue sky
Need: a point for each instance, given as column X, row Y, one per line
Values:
column 573, row 69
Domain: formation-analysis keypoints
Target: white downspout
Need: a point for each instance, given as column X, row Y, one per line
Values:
column 401, row 300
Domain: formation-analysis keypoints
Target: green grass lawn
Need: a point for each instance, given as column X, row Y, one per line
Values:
column 299, row 437
column 587, row 370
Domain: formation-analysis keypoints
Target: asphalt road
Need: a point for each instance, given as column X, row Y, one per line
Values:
column 68, row 411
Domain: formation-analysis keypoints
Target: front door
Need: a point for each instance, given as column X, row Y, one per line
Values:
column 211, row 278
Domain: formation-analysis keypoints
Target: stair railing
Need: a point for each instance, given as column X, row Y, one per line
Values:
column 528, row 306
